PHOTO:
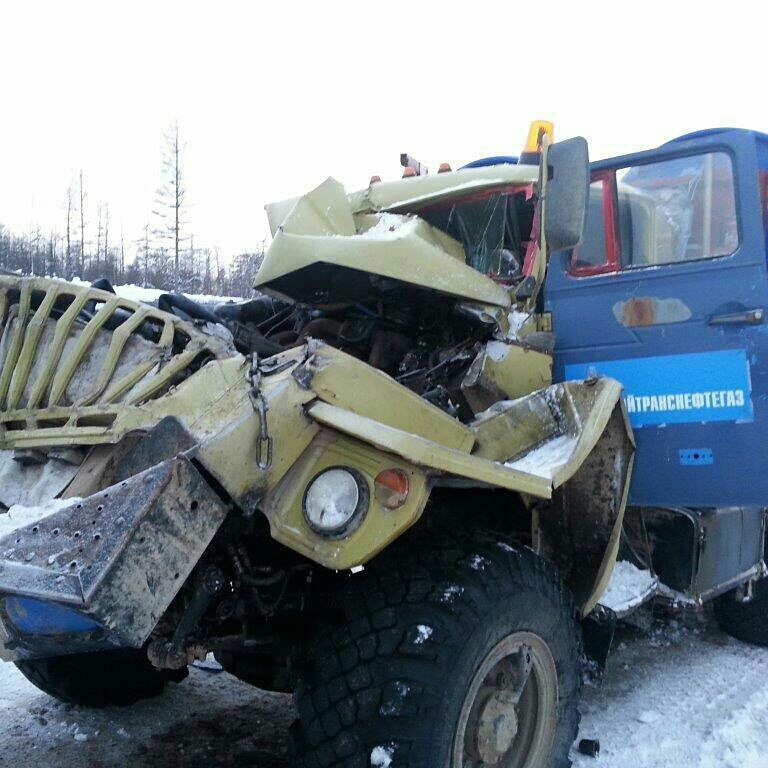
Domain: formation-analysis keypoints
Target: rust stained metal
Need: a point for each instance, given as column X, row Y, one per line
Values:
column 642, row 311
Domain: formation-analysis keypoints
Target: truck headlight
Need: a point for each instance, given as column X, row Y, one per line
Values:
column 336, row 501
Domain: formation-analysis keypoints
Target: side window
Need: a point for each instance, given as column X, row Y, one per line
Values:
column 670, row 211
column 677, row 210
column 597, row 253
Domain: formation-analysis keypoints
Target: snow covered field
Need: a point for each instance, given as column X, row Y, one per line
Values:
column 680, row 696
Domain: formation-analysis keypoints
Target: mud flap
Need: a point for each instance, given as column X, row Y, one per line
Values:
column 597, row 631
column 118, row 557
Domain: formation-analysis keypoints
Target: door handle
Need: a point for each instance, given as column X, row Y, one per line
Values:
column 748, row 317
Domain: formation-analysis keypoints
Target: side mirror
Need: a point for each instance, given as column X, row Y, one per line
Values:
column 567, row 193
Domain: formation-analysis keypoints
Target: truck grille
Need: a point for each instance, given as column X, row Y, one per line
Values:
column 73, row 358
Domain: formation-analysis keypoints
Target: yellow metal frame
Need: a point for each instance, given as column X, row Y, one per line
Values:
column 29, row 407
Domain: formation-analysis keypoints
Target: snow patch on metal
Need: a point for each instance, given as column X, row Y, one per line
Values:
column 629, row 588
column 19, row 516
column 390, row 226
column 546, row 460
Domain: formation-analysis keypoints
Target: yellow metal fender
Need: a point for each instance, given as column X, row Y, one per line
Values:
column 568, row 444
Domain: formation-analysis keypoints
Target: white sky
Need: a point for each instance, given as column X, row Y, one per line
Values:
column 272, row 97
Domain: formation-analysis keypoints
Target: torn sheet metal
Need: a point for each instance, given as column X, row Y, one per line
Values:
column 574, row 416
column 422, row 190
column 101, row 555
column 503, row 371
column 321, row 234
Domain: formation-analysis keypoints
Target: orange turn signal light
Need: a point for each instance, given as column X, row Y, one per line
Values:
column 391, row 488
column 536, row 133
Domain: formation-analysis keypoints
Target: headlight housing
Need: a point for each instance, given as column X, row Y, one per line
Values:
column 336, row 501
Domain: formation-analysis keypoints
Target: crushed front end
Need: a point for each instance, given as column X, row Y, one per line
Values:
column 222, row 478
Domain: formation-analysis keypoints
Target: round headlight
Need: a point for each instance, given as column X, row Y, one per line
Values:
column 335, row 501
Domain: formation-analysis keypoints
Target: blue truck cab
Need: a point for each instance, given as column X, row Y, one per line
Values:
column 668, row 293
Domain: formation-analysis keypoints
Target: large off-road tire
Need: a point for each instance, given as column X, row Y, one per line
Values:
column 99, row 679
column 255, row 670
column 746, row 621
column 432, row 645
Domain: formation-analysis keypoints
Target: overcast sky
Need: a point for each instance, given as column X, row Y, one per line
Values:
column 273, row 97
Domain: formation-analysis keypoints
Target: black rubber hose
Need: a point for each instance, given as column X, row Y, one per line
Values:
column 103, row 285
column 254, row 311
column 170, row 302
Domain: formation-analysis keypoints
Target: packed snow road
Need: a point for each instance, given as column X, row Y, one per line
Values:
column 679, row 696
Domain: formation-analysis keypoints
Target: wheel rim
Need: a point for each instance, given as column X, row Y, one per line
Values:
column 509, row 714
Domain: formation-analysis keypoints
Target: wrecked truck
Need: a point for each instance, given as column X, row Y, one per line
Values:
column 667, row 293
column 361, row 486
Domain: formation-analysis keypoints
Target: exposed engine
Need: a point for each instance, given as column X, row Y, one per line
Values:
column 417, row 337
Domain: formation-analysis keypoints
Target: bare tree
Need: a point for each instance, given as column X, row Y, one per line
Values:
column 53, row 266
column 82, row 224
column 171, row 198
column 34, row 251
column 122, row 252
column 143, row 256
column 68, row 235
column 99, row 230
column 207, row 272
column 106, row 237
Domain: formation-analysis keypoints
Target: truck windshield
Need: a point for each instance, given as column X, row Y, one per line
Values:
column 493, row 228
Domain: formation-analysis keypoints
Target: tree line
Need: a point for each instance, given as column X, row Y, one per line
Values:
column 86, row 245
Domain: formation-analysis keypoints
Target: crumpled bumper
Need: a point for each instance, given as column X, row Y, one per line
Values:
column 115, row 559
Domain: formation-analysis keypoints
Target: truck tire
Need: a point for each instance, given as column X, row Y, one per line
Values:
column 99, row 679
column 433, row 644
column 745, row 621
column 259, row 671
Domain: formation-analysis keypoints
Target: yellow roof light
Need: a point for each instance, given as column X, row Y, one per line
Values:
column 536, row 133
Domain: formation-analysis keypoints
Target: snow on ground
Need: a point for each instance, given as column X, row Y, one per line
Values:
column 137, row 293
column 208, row 721
column 680, row 696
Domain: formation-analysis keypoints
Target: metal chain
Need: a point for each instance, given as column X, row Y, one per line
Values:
column 264, row 444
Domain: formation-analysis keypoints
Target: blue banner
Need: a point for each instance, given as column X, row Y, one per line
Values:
column 679, row 389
